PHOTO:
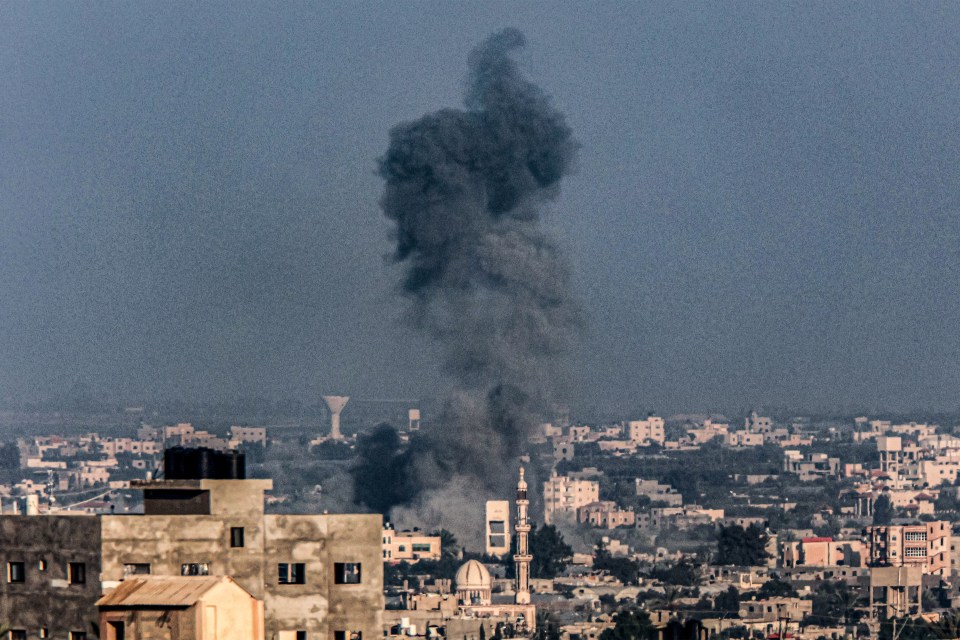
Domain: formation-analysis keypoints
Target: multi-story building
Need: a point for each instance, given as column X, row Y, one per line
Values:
column 243, row 435
column 658, row 492
column 925, row 545
column 645, row 432
column 409, row 546
column 822, row 552
column 743, row 439
column 320, row 576
column 810, row 467
column 497, row 540
column 563, row 494
column 605, row 514
column 776, row 609
column 895, row 592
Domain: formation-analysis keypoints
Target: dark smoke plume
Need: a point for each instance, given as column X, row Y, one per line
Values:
column 465, row 189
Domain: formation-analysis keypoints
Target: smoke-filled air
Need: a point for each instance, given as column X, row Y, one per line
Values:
column 466, row 190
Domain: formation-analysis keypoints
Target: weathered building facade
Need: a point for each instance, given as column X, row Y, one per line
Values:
column 318, row 575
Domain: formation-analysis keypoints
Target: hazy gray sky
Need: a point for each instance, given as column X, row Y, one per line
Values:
column 765, row 209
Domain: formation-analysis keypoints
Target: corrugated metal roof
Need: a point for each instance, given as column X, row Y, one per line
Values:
column 161, row 591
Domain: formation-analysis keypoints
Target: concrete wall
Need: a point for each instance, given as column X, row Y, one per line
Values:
column 45, row 599
column 320, row 542
column 167, row 542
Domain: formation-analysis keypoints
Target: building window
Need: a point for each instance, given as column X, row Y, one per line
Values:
column 422, row 547
column 346, row 573
column 291, row 573
column 195, row 569
column 347, row 635
column 913, row 536
column 16, row 572
column 301, row 635
column 236, row 538
column 77, row 573
column 78, row 635
column 136, row 569
column 915, row 552
column 18, row 634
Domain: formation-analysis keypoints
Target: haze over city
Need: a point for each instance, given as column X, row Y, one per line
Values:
column 763, row 208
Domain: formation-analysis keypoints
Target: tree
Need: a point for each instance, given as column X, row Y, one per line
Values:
column 742, row 547
column 550, row 553
column 776, row 588
column 448, row 542
column 835, row 603
column 882, row 510
column 727, row 602
column 623, row 569
column 683, row 573
column 630, row 625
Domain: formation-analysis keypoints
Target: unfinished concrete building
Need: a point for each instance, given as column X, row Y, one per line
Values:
column 320, row 577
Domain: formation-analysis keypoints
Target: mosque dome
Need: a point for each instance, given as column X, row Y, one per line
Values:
column 473, row 583
column 473, row 575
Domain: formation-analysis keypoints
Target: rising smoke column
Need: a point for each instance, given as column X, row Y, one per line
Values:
column 465, row 189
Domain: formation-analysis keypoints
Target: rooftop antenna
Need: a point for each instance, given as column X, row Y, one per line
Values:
column 336, row 405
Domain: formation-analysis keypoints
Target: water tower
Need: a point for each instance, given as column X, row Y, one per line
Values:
column 336, row 405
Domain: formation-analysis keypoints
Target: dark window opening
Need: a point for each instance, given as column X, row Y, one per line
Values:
column 136, row 569
column 346, row 573
column 18, row 634
column 301, row 635
column 16, row 572
column 236, row 540
column 291, row 573
column 77, row 573
column 115, row 631
column 78, row 635
column 195, row 569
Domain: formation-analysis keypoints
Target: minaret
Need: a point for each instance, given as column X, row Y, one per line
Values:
column 522, row 558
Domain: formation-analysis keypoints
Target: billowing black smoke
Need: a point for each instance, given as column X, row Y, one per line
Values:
column 465, row 189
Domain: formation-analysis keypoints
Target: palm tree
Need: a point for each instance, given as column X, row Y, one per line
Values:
column 947, row 627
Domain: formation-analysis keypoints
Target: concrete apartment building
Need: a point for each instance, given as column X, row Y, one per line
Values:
column 658, row 492
column 409, row 546
column 810, row 467
column 822, row 552
column 319, row 576
column 925, row 545
column 563, row 494
column 895, row 592
column 605, row 514
column 497, row 540
column 645, row 432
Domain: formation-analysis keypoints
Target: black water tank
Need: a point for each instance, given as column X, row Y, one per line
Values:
column 185, row 463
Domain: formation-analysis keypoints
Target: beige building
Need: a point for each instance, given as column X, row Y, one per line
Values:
column 776, row 609
column 409, row 546
column 497, row 540
column 178, row 608
column 895, row 592
column 254, row 435
column 562, row 494
column 646, row 432
column 319, row 576
column 925, row 545
column 822, row 552
column 605, row 514
column 658, row 492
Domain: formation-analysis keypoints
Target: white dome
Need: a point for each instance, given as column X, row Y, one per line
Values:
column 472, row 575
